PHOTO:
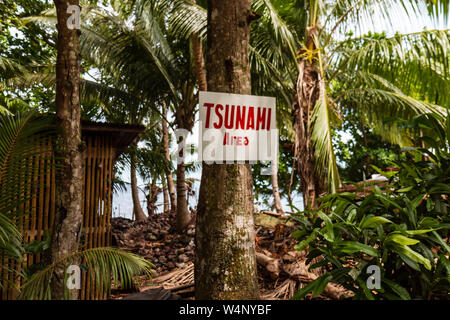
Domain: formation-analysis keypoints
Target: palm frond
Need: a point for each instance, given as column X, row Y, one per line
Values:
column 377, row 104
column 282, row 34
column 20, row 138
column 322, row 142
column 10, row 239
column 368, row 13
column 107, row 267
column 185, row 18
column 408, row 60
column 9, row 67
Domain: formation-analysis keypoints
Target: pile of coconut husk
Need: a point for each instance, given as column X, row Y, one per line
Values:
column 282, row 271
column 155, row 240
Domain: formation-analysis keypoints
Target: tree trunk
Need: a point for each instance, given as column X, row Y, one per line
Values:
column 367, row 156
column 225, row 263
column 291, row 182
column 170, row 184
column 69, row 177
column 165, row 195
column 152, row 198
column 185, row 121
column 275, row 190
column 137, row 208
column 308, row 93
column 183, row 216
column 199, row 61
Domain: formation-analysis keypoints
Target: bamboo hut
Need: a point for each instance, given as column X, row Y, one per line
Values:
column 104, row 143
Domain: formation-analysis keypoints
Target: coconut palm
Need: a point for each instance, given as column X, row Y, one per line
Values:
column 301, row 55
column 155, row 64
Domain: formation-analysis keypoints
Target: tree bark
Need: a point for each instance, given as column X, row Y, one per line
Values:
column 291, row 182
column 183, row 216
column 165, row 195
column 308, row 93
column 169, row 177
column 137, row 208
column 69, row 177
column 275, row 190
column 199, row 61
column 152, row 198
column 185, row 121
column 225, row 263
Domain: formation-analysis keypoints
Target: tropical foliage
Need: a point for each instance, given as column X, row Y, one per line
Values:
column 402, row 228
column 332, row 77
column 20, row 136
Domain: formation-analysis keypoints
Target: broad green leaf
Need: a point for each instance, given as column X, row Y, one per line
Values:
column 398, row 289
column 363, row 286
column 353, row 246
column 320, row 285
column 409, row 261
column 440, row 188
column 297, row 234
column 400, row 239
column 303, row 244
column 428, row 222
column 441, row 241
column 329, row 235
column 410, row 253
column 444, row 260
column 415, row 232
column 403, row 190
column 373, row 222
column 308, row 288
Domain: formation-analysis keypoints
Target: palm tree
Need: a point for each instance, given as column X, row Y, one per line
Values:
column 298, row 55
column 140, row 70
column 69, row 179
column 225, row 263
column 322, row 62
column 161, row 73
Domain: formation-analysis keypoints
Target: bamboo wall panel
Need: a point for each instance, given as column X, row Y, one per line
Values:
column 39, row 209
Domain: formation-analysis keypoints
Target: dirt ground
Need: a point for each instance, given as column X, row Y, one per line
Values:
column 282, row 271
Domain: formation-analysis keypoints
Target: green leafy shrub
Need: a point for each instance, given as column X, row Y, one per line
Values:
column 402, row 229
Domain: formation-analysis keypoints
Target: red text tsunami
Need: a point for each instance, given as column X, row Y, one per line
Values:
column 238, row 117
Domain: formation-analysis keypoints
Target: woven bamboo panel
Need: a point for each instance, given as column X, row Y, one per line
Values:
column 39, row 209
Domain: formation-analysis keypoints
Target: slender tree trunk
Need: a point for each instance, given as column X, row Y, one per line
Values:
column 185, row 121
column 152, row 198
column 291, row 182
column 69, row 177
column 308, row 93
column 137, row 208
column 165, row 195
column 169, row 177
column 367, row 156
column 199, row 61
column 225, row 263
column 183, row 216
column 275, row 190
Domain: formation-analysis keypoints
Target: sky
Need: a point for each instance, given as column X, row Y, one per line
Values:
column 122, row 204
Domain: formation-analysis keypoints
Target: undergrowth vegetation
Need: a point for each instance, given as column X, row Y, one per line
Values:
column 401, row 227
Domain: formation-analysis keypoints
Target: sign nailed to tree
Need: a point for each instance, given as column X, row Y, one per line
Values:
column 235, row 127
